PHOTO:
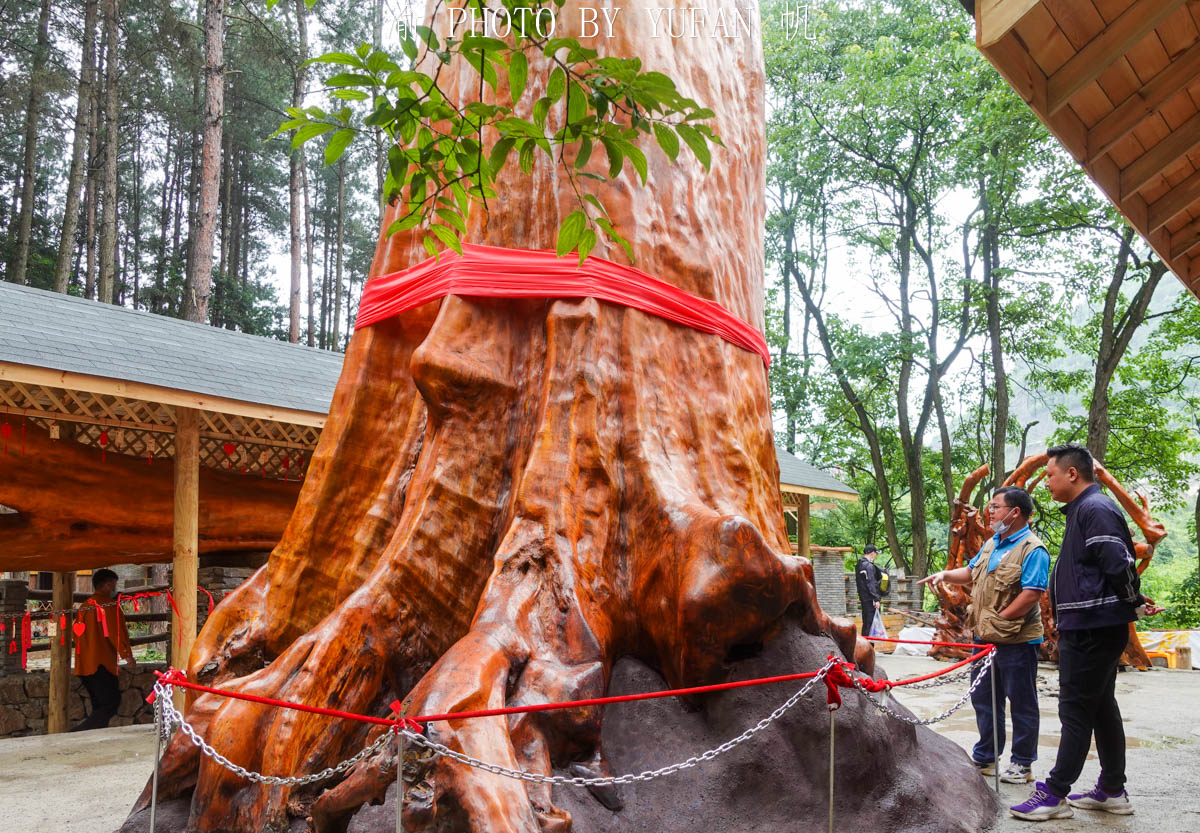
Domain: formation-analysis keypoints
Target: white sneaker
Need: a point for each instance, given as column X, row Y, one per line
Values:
column 1017, row 774
column 1097, row 799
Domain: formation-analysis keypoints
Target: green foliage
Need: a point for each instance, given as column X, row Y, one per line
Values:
column 439, row 162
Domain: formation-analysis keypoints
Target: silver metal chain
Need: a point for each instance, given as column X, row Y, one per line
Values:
column 890, row 712
column 172, row 718
column 945, row 679
column 648, row 775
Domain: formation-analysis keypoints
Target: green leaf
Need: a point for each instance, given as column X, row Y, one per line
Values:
column 556, row 85
column 576, row 103
column 452, row 218
column 591, row 198
column 636, row 158
column 350, row 95
column 448, row 237
column 337, row 145
column 695, row 140
column 352, row 79
column 569, row 232
column 525, row 159
column 615, row 237
column 426, row 34
column 309, row 131
column 337, row 58
column 540, row 110
column 409, row 220
column 585, row 152
column 430, row 246
column 615, row 157
column 499, row 154
column 667, row 140
column 518, row 73
column 363, row 49
column 409, row 46
column 587, row 242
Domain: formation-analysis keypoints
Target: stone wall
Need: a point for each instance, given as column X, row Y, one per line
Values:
column 903, row 594
column 829, row 571
column 24, row 699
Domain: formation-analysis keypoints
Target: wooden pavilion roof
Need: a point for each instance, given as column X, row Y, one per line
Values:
column 1118, row 83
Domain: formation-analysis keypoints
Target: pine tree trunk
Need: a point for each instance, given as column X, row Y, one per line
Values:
column 92, row 186
column 87, row 68
column 108, row 216
column 20, row 262
column 164, row 217
column 297, row 160
column 308, row 255
column 337, row 271
column 136, row 253
column 199, row 282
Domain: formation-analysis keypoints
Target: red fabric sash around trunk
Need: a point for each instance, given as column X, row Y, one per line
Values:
column 492, row 272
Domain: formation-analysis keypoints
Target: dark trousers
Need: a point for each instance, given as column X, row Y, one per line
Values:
column 1087, row 704
column 105, row 692
column 868, row 614
column 1015, row 667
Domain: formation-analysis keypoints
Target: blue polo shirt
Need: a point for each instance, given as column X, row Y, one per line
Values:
column 1035, row 572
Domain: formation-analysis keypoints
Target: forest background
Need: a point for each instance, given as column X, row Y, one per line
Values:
column 945, row 286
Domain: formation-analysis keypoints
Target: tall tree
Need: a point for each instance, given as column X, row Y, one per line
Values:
column 108, row 216
column 41, row 54
column 199, row 281
column 294, row 176
column 87, row 67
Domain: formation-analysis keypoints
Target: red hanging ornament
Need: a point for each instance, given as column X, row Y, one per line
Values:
column 229, row 448
column 79, row 628
column 62, row 629
column 103, row 444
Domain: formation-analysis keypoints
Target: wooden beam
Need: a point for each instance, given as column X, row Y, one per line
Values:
column 58, row 714
column 804, row 529
column 790, row 491
column 1185, row 240
column 29, row 374
column 1118, row 37
column 186, row 563
column 995, row 18
column 1144, row 103
column 1174, row 201
column 1178, row 144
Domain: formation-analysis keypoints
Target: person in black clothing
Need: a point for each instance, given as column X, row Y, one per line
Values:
column 866, row 577
column 1095, row 593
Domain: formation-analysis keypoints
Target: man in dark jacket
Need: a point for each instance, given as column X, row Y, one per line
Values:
column 1095, row 593
column 866, row 577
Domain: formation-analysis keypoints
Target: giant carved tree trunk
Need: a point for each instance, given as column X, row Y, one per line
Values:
column 510, row 496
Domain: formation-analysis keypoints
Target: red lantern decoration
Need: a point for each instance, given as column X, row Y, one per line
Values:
column 103, row 444
column 229, row 448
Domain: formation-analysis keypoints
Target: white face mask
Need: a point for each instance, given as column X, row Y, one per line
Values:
column 1000, row 526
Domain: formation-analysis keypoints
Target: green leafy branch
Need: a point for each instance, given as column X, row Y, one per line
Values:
column 437, row 160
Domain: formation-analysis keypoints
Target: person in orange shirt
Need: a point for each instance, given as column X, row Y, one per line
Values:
column 104, row 636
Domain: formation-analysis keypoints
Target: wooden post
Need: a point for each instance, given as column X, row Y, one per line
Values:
column 59, row 713
column 803, row 526
column 186, row 563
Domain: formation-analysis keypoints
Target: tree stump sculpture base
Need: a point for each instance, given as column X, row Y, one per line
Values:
column 889, row 775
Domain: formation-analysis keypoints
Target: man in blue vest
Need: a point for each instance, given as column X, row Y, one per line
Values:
column 1007, row 578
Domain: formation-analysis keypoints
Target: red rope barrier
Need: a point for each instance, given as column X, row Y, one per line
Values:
column 839, row 676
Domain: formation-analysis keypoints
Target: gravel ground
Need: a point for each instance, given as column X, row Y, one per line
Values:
column 86, row 782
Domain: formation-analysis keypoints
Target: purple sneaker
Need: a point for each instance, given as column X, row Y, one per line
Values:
column 1098, row 799
column 1041, row 806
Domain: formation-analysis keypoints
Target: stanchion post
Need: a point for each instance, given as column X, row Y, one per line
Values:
column 832, row 727
column 995, row 722
column 157, row 759
column 399, row 781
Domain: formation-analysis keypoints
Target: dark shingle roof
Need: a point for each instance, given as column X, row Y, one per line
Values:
column 795, row 472
column 61, row 332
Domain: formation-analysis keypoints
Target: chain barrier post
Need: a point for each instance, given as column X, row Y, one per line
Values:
column 157, row 758
column 832, row 730
column 995, row 723
column 400, row 780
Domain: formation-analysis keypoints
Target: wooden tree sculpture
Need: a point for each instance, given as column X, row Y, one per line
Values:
column 968, row 532
column 512, row 495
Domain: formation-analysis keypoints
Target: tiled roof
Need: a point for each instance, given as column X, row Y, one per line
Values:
column 61, row 332
column 801, row 475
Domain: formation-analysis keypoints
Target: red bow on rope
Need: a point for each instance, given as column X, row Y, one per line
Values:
column 168, row 677
column 838, row 677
